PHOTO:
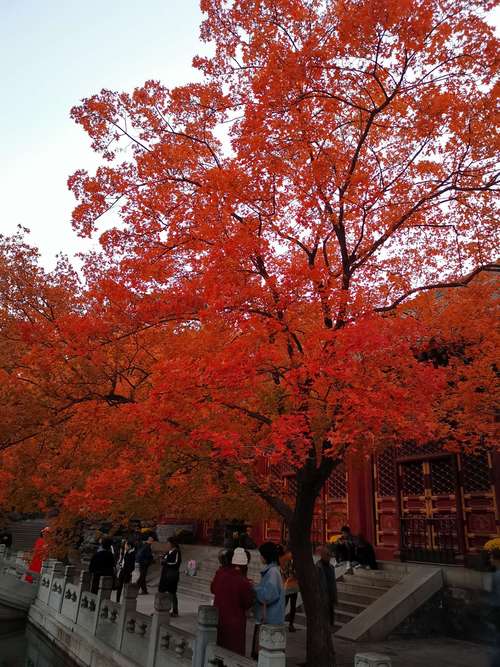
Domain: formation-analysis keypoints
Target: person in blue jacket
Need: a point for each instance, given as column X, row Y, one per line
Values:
column 269, row 593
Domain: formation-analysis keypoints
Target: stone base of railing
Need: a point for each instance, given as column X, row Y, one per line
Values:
column 92, row 630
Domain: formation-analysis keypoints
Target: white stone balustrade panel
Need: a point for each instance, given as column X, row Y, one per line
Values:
column 135, row 641
column 69, row 607
column 175, row 647
column 87, row 611
column 56, row 593
column 107, row 623
column 44, row 584
column 216, row 655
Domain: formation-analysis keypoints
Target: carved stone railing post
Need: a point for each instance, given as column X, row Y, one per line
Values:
column 272, row 643
column 43, row 588
column 160, row 617
column 69, row 575
column 206, row 632
column 84, row 587
column 104, row 593
column 85, row 581
column 55, row 588
column 128, row 604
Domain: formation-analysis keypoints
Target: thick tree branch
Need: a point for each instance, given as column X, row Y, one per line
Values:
column 463, row 282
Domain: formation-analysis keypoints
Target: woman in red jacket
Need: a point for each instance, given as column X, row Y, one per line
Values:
column 40, row 552
column 233, row 597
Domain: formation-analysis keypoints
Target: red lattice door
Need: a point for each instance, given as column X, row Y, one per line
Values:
column 479, row 506
column 430, row 528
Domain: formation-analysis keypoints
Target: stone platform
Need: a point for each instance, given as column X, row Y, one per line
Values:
column 435, row 652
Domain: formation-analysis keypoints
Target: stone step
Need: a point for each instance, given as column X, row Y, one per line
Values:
column 376, row 577
column 358, row 598
column 25, row 533
column 369, row 591
column 349, row 605
column 364, row 581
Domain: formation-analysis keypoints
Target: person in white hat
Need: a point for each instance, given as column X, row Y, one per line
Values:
column 240, row 560
column 233, row 596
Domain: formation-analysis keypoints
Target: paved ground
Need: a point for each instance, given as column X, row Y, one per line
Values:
column 435, row 652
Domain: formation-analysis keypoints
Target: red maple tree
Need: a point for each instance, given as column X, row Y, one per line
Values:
column 336, row 159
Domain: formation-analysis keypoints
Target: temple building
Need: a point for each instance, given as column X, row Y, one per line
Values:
column 413, row 504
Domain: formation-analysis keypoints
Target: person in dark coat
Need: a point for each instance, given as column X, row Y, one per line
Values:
column 365, row 554
column 233, row 596
column 169, row 579
column 144, row 558
column 126, row 567
column 102, row 564
column 345, row 549
column 327, row 582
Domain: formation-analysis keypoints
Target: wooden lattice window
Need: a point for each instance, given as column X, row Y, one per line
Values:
column 443, row 476
column 386, row 473
column 336, row 486
column 476, row 472
column 412, row 479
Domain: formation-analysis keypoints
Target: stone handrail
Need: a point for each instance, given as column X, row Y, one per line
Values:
column 86, row 625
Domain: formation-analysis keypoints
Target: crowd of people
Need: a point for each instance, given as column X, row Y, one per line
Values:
column 234, row 592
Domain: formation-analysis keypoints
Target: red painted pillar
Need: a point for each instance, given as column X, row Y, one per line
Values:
column 361, row 498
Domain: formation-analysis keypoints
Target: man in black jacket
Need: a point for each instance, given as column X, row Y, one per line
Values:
column 144, row 559
column 170, row 566
column 102, row 564
column 327, row 582
column 126, row 566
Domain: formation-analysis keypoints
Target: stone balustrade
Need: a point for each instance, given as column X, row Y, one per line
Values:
column 92, row 629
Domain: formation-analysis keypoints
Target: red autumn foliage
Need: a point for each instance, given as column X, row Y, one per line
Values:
column 275, row 220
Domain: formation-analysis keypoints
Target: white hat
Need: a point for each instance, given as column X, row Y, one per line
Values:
column 239, row 557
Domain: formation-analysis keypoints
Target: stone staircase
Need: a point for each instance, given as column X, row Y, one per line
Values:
column 25, row 533
column 371, row 603
column 356, row 591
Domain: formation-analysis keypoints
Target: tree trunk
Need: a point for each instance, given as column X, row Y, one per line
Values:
column 320, row 649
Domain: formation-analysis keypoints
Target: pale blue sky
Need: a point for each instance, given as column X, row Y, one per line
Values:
column 53, row 53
